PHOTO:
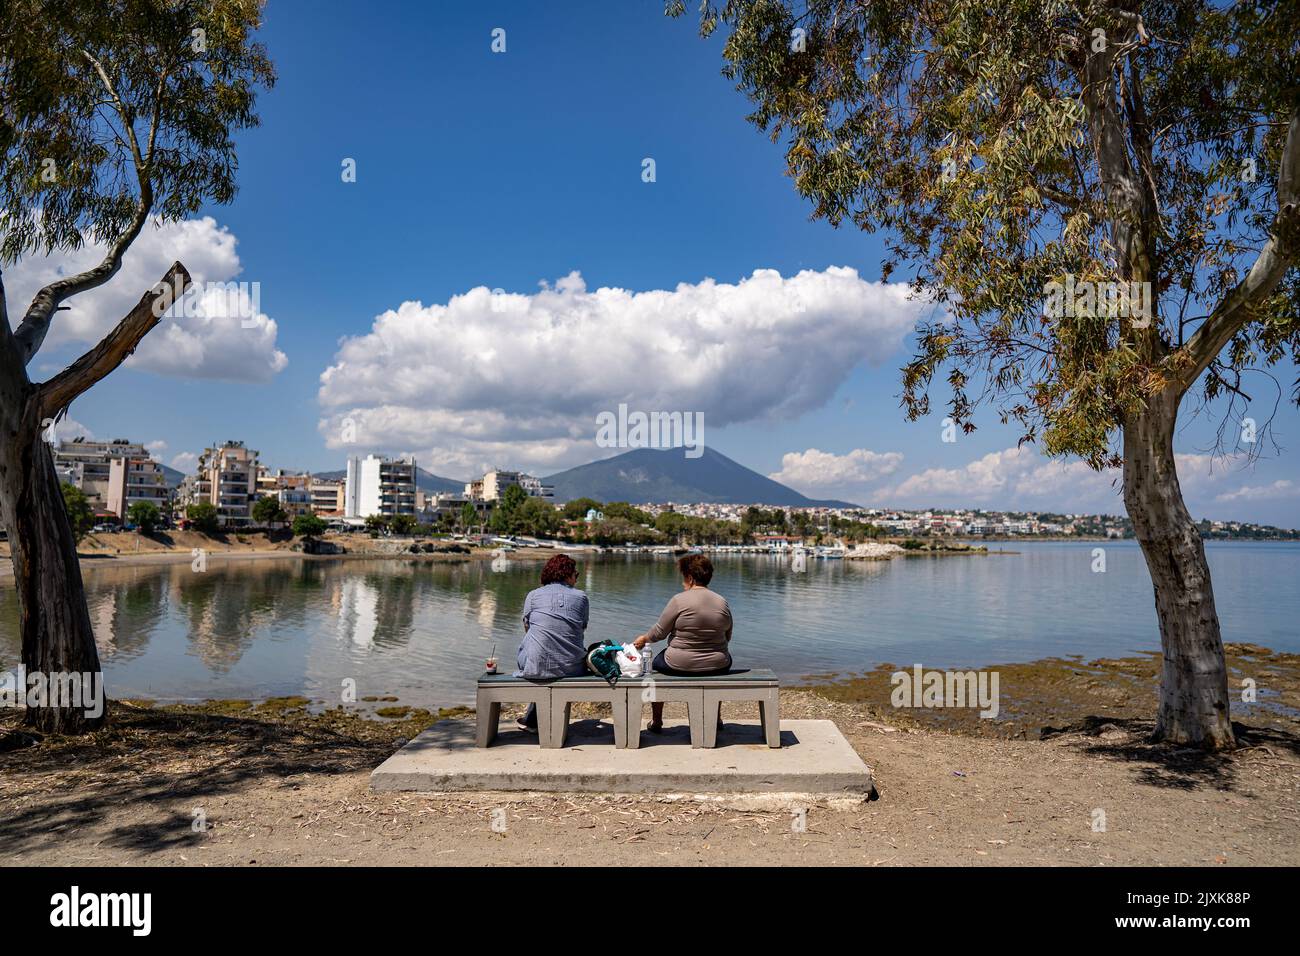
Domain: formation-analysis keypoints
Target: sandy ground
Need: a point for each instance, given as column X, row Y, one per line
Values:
column 272, row 784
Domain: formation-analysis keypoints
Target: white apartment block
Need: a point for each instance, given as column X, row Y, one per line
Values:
column 379, row 486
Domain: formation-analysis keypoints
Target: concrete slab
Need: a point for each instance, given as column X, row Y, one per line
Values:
column 814, row 758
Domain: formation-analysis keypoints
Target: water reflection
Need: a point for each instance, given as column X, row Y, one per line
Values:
column 421, row 630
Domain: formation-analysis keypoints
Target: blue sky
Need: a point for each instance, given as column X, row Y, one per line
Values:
column 503, row 170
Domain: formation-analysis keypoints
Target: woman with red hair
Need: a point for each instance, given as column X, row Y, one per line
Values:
column 555, row 620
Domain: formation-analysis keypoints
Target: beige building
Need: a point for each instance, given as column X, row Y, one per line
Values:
column 135, row 479
column 492, row 486
column 226, row 477
column 292, row 490
column 327, row 497
column 86, row 465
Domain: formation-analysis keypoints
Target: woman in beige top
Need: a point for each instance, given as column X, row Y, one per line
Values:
column 697, row 623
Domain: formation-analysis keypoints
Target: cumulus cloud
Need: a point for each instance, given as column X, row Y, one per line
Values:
column 816, row 469
column 1013, row 477
column 519, row 379
column 1023, row 478
column 1282, row 488
column 185, row 461
column 217, row 341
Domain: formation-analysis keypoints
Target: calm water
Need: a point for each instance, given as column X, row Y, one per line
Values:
column 421, row 631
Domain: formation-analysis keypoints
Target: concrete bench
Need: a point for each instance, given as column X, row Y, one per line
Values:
column 703, row 697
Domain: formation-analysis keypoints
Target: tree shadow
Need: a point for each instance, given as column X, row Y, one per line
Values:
column 1159, row 764
column 149, row 758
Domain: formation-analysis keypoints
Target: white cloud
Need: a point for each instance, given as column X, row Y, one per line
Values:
column 68, row 428
column 1011, row 478
column 1023, row 478
column 156, row 447
column 814, row 469
column 212, row 344
column 1282, row 488
column 185, row 461
column 519, row 379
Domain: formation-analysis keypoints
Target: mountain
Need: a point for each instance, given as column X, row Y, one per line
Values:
column 651, row 475
column 424, row 480
column 172, row 476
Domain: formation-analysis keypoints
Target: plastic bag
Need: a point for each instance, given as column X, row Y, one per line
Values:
column 631, row 661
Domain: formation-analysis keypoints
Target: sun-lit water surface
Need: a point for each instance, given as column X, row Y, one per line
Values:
column 420, row 631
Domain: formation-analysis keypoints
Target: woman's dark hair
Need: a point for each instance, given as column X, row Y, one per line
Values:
column 559, row 569
column 696, row 567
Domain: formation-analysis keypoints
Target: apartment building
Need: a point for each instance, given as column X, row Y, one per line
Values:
column 227, row 478
column 291, row 489
column 492, row 486
column 86, row 464
column 327, row 497
column 135, row 479
column 379, row 486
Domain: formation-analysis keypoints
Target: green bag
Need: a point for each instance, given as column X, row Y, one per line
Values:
column 601, row 660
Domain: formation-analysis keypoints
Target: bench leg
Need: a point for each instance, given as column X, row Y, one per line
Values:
column 619, row 711
column 489, row 715
column 559, row 724
column 695, row 713
column 712, row 711
column 633, row 707
column 545, row 725
column 769, row 712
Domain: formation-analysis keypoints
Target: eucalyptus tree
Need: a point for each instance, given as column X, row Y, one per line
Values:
column 1100, row 198
column 114, row 115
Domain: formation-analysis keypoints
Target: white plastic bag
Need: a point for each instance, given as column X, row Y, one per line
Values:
column 630, row 661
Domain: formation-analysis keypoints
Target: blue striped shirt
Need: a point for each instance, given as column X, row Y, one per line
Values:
column 555, row 621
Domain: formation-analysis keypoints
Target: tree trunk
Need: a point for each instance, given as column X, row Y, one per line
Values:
column 58, row 642
column 1194, row 682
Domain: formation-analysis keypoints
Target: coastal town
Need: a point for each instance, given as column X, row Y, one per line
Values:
column 232, row 489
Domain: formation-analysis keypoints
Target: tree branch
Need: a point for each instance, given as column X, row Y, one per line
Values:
column 1278, row 254
column 36, row 323
column 57, row 394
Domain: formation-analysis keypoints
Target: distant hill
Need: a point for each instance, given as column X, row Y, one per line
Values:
column 424, row 480
column 172, row 476
column 651, row 475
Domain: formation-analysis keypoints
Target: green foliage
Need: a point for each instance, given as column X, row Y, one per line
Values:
column 268, row 510
column 468, row 516
column 376, row 524
column 577, row 509
column 1003, row 147
column 621, row 509
column 114, row 107
column 145, row 516
column 80, row 515
column 203, row 517
column 308, row 526
column 402, row 524
column 616, row 531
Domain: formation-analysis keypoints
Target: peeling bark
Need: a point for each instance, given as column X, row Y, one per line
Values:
column 1194, row 680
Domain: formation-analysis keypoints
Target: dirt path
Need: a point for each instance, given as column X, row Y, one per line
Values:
column 278, row 786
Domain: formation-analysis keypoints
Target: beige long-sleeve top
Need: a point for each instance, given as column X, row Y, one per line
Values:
column 698, row 622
